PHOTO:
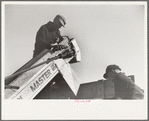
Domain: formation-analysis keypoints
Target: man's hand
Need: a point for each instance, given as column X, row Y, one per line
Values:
column 58, row 47
column 67, row 54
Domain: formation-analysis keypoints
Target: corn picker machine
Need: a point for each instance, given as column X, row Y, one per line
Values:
column 32, row 77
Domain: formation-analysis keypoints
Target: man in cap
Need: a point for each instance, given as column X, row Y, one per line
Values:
column 125, row 88
column 49, row 34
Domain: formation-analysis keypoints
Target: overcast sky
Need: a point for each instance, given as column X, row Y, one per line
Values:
column 106, row 34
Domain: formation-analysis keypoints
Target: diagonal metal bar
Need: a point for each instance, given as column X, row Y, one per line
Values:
column 22, row 71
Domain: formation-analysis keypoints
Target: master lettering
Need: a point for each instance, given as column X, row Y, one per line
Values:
column 40, row 80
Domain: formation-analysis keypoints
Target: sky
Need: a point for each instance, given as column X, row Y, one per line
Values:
column 106, row 34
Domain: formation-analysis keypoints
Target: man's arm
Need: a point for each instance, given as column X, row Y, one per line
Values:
column 58, row 34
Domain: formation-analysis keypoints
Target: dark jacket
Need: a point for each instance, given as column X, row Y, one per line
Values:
column 125, row 88
column 46, row 36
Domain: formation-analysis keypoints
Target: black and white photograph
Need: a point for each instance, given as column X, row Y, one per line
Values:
column 74, row 60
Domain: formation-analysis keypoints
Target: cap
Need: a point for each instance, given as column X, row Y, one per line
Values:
column 110, row 68
column 61, row 19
